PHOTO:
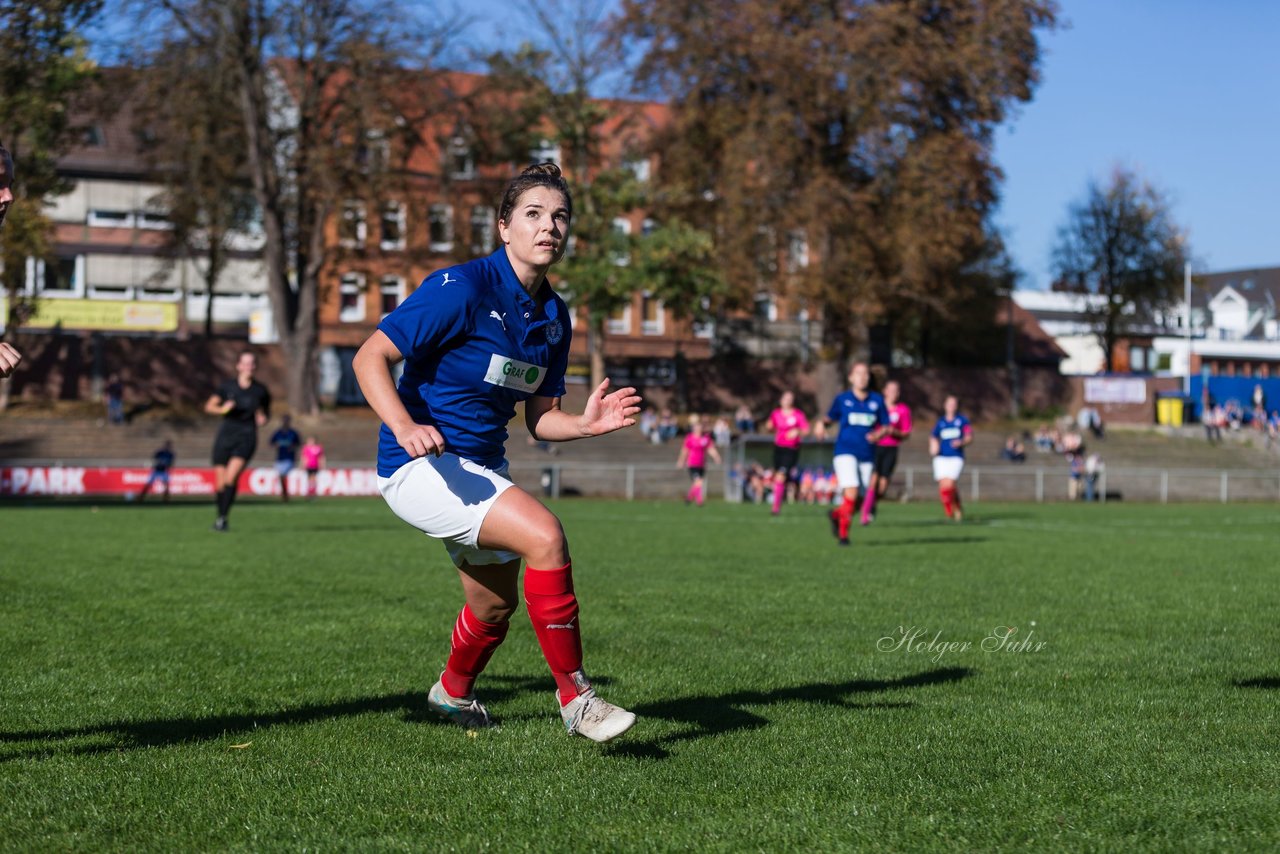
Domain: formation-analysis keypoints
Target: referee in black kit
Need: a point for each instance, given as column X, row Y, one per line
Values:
column 245, row 405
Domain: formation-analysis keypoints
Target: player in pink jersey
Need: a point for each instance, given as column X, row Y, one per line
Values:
column 788, row 426
column 697, row 445
column 887, row 448
column 312, row 460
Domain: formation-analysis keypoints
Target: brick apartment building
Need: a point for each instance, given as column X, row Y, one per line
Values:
column 117, row 274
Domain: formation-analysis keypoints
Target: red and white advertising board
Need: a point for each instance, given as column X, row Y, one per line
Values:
column 93, row 480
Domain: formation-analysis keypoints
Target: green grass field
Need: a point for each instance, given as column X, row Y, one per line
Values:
column 166, row 688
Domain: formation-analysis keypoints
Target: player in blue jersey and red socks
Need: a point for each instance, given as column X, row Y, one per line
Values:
column 863, row 419
column 477, row 339
column 946, row 445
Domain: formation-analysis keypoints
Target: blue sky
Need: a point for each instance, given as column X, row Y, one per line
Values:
column 1187, row 92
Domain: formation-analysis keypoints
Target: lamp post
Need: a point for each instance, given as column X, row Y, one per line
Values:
column 1186, row 287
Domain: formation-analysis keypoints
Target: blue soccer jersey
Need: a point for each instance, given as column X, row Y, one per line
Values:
column 475, row 344
column 948, row 430
column 857, row 418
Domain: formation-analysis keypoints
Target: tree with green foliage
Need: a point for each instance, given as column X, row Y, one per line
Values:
column 553, row 84
column 43, row 66
column 859, row 129
column 1121, row 246
column 322, row 87
column 189, row 119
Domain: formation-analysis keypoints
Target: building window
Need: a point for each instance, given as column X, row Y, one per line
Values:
column 545, row 150
column 766, row 307
column 353, row 229
column 159, row 294
column 351, row 298
column 391, row 294
column 104, row 218
column 393, row 226
column 622, row 228
column 481, row 230
column 121, row 292
column 94, row 137
column 374, row 152
column 637, row 166
column 153, row 221
column 64, row 277
column 797, row 251
column 441, row 220
column 461, row 162
column 650, row 315
column 619, row 323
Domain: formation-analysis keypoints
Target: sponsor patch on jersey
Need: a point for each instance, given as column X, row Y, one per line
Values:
column 949, row 433
column 861, row 419
column 513, row 373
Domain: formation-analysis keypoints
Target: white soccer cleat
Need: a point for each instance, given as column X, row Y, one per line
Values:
column 466, row 712
column 590, row 717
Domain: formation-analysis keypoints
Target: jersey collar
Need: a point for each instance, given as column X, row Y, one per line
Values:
column 540, row 311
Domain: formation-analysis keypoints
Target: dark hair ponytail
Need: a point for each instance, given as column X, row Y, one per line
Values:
column 546, row 174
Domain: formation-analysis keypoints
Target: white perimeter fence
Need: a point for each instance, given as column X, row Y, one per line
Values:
column 980, row 482
column 915, row 483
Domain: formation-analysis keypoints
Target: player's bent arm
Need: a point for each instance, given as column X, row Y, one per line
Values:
column 372, row 365
column 215, row 405
column 603, row 413
column 934, row 447
column 715, row 455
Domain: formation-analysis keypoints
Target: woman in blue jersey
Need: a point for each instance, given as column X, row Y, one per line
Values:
column 946, row 446
column 862, row 418
column 477, row 339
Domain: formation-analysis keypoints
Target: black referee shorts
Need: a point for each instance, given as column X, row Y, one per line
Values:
column 886, row 461
column 786, row 460
column 234, row 443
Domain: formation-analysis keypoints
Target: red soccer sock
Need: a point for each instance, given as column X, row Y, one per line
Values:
column 553, row 609
column 955, row 499
column 868, row 505
column 945, row 494
column 844, row 516
column 474, row 641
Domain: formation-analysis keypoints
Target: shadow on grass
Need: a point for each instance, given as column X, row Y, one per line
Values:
column 710, row 716
column 1272, row 682
column 162, row 732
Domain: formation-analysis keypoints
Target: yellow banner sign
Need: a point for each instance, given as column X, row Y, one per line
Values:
column 105, row 315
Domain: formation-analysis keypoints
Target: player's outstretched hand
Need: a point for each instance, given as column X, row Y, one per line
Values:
column 9, row 359
column 420, row 439
column 605, row 413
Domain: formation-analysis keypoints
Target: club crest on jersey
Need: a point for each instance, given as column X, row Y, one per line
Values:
column 513, row 373
column 554, row 332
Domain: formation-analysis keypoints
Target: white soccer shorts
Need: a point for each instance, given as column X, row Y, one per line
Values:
column 447, row 497
column 852, row 473
column 947, row 468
